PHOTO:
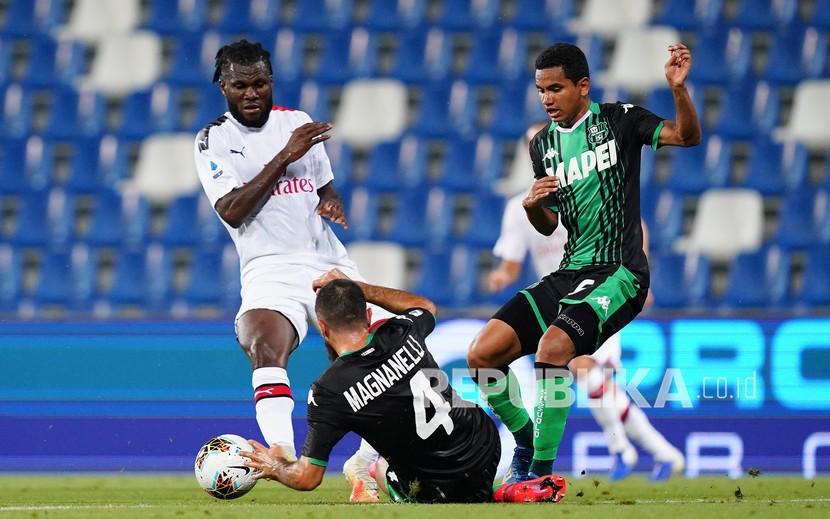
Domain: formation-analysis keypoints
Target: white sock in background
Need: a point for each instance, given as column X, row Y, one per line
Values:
column 612, row 402
column 274, row 403
column 366, row 452
column 641, row 431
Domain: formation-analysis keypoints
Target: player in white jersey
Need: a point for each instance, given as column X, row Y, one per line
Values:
column 270, row 182
column 619, row 418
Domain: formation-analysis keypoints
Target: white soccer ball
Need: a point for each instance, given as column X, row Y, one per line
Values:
column 221, row 471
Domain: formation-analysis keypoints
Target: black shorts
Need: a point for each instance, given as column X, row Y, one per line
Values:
column 473, row 485
column 590, row 305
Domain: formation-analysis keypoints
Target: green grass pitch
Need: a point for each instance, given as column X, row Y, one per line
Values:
column 123, row 496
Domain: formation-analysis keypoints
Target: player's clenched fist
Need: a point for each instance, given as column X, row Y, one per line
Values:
column 542, row 188
column 303, row 138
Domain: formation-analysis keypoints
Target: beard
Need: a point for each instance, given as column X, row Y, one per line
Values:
column 260, row 121
column 330, row 351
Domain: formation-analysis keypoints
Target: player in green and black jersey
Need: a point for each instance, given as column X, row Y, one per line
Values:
column 587, row 167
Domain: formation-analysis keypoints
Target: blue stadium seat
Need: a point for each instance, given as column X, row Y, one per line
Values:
column 32, row 225
column 118, row 221
column 16, row 111
column 609, row 94
column 141, row 280
column 286, row 56
column 203, row 286
column 467, row 15
column 341, row 158
column 422, row 56
column 322, row 15
column 173, row 17
column 816, row 277
column 66, row 280
column 180, row 227
column 397, row 166
column 776, row 168
column 449, row 277
column 485, row 221
column 76, row 114
column 471, row 165
column 347, row 55
column 679, row 281
column 516, row 108
column 663, row 212
column 797, row 53
column 527, row 277
column 61, row 218
column 192, row 61
column 210, row 104
column 82, row 172
column 661, row 102
column 803, row 215
column 27, row 18
column 764, row 15
column 11, row 278
column 314, row 100
column 395, row 15
column 689, row 15
column 23, row 167
column 694, row 170
column 151, row 111
column 210, row 231
column 6, row 47
column 749, row 110
column 722, row 56
column 410, row 221
column 445, row 111
column 248, row 15
column 52, row 63
column 363, row 215
column 541, row 15
column 820, row 17
column 758, row 280
column 231, row 283
column 591, row 44
column 493, row 57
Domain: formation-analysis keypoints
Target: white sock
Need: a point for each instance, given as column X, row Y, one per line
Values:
column 641, row 431
column 607, row 403
column 274, row 404
column 366, row 452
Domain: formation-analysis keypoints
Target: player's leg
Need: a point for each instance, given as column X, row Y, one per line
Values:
column 607, row 403
column 667, row 458
column 267, row 337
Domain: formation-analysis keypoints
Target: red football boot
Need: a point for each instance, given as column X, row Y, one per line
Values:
column 549, row 488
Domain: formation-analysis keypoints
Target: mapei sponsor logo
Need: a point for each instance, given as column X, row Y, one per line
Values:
column 599, row 159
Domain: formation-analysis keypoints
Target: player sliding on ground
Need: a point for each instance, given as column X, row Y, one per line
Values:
column 384, row 385
column 586, row 162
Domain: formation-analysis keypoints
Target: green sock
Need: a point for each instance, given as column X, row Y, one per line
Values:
column 511, row 412
column 551, row 413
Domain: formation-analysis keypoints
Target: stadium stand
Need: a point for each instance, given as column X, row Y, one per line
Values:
column 100, row 103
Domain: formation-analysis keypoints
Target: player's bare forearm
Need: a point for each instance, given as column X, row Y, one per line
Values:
column 685, row 129
column 299, row 475
column 244, row 202
column 395, row 301
column 543, row 219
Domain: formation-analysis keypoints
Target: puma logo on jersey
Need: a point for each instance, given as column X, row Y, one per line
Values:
column 603, row 301
column 240, row 152
column 580, row 168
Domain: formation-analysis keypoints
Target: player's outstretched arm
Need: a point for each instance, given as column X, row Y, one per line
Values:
column 244, row 202
column 685, row 129
column 299, row 475
column 390, row 299
column 543, row 219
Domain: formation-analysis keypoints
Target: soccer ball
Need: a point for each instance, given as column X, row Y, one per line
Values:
column 221, row 471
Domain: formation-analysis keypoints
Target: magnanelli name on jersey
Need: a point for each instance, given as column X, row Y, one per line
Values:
column 395, row 368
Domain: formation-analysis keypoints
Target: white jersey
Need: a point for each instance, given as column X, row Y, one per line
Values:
column 518, row 237
column 229, row 154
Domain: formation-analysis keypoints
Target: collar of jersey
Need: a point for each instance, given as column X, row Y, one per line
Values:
column 592, row 108
column 368, row 340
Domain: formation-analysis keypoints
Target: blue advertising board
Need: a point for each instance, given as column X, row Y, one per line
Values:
column 731, row 393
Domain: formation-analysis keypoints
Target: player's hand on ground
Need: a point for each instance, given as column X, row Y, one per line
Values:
column 328, row 277
column 304, row 137
column 332, row 209
column 542, row 188
column 264, row 461
column 678, row 65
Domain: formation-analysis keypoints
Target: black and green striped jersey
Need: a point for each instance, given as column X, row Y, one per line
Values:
column 597, row 161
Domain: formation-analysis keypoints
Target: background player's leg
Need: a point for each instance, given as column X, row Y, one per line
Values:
column 495, row 347
column 267, row 337
column 667, row 459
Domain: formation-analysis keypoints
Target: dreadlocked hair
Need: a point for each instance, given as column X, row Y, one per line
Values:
column 241, row 52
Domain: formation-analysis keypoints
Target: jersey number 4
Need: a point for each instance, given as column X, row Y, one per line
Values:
column 421, row 392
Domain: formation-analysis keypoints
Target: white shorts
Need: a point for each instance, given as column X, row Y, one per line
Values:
column 608, row 355
column 284, row 285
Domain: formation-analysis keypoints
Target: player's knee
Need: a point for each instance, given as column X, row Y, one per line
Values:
column 555, row 347
column 264, row 353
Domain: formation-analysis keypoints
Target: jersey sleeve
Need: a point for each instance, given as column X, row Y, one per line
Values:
column 642, row 123
column 423, row 320
column 214, row 166
column 511, row 245
column 324, row 429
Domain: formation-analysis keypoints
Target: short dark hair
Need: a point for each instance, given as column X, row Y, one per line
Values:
column 242, row 52
column 341, row 304
column 569, row 57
